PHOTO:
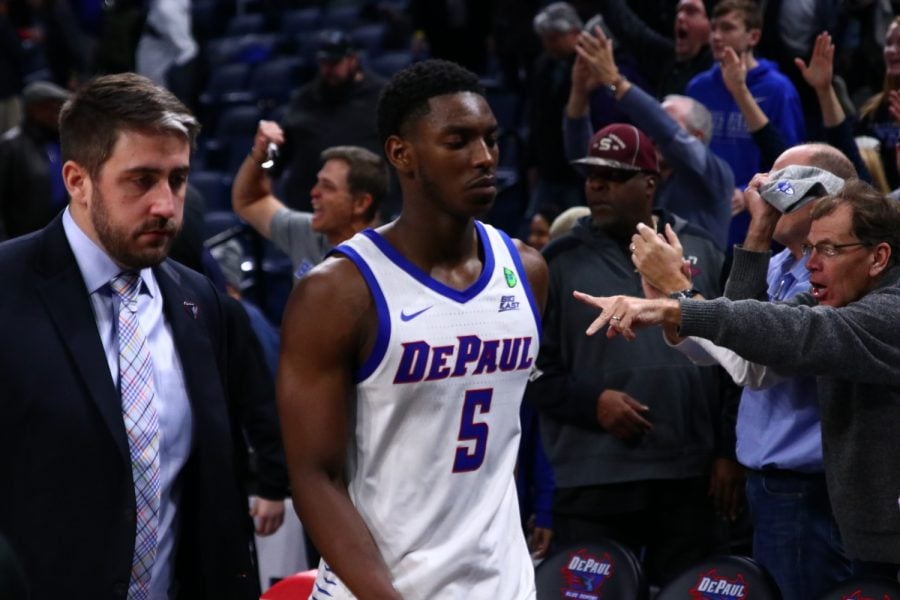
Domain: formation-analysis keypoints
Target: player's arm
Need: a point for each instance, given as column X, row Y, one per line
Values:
column 329, row 324
column 251, row 192
column 537, row 272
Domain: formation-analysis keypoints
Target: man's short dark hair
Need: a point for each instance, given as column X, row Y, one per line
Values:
column 749, row 11
column 406, row 95
column 876, row 218
column 91, row 120
column 367, row 173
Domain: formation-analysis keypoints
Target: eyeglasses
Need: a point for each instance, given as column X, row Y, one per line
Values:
column 828, row 250
column 612, row 175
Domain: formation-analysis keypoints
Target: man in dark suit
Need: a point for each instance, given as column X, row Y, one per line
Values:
column 100, row 502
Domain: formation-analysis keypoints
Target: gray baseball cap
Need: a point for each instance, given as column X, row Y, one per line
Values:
column 792, row 187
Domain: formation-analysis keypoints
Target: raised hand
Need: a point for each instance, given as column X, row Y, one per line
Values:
column 818, row 73
column 659, row 260
column 734, row 70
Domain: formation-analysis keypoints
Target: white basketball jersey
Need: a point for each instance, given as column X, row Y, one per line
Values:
column 430, row 468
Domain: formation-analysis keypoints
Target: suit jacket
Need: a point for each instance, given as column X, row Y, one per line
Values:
column 67, row 506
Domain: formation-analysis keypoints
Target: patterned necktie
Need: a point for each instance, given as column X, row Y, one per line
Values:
column 142, row 427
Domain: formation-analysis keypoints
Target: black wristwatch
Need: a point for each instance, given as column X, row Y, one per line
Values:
column 684, row 294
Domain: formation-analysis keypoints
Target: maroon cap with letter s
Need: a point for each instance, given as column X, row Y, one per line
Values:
column 620, row 146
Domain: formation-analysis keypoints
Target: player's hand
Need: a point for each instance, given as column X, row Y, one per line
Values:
column 540, row 542
column 620, row 414
column 268, row 515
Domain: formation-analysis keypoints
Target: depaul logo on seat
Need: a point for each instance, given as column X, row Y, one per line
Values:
column 858, row 595
column 584, row 575
column 712, row 586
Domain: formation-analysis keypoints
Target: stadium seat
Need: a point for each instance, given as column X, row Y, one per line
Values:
column 864, row 588
column 214, row 186
column 369, row 38
column 246, row 23
column 600, row 569
column 344, row 18
column 388, row 63
column 726, row 576
column 294, row 587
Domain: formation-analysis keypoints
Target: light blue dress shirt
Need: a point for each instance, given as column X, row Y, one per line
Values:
column 171, row 401
column 779, row 427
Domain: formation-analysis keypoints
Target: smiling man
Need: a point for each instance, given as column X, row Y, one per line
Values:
column 844, row 332
column 349, row 189
column 404, row 358
column 116, row 440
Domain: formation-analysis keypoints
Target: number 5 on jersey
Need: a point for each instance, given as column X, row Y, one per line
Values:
column 469, row 458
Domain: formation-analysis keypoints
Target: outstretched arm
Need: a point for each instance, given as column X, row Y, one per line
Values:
column 329, row 325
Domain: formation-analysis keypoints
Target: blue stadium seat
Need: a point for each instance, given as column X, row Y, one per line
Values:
column 227, row 84
column 388, row 63
column 246, row 23
column 300, row 20
column 344, row 18
column 215, row 187
column 369, row 38
column 233, row 137
column 273, row 81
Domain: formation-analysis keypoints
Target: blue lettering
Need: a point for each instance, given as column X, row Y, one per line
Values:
column 509, row 353
column 526, row 360
column 469, row 348
column 488, row 358
column 412, row 363
column 439, row 368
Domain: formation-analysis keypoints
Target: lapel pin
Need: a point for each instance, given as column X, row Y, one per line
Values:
column 192, row 309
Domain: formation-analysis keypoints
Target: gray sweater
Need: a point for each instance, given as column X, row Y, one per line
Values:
column 855, row 353
column 576, row 369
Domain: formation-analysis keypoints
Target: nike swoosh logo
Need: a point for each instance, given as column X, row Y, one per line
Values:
column 411, row 316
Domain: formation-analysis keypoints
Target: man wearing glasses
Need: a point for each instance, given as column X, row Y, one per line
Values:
column 844, row 331
column 629, row 429
column 778, row 422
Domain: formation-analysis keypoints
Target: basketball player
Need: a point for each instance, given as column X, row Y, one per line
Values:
column 404, row 360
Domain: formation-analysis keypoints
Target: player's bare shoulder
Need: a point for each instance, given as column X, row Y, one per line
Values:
column 333, row 295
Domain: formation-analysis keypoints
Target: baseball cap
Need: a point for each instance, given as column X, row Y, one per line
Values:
column 558, row 17
column 620, row 146
column 44, row 91
column 333, row 46
column 792, row 187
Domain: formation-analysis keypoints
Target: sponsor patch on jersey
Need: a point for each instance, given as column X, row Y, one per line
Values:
column 510, row 275
column 712, row 586
column 508, row 303
column 584, row 575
